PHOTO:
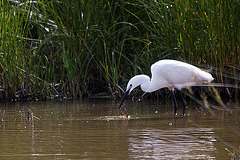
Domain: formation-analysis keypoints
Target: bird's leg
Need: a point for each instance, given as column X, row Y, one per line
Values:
column 184, row 103
column 175, row 102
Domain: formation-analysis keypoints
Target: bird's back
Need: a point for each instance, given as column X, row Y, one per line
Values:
column 176, row 74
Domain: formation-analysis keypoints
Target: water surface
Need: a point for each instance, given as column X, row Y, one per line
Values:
column 93, row 130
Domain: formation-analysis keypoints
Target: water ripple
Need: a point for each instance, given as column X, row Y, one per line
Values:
column 182, row 143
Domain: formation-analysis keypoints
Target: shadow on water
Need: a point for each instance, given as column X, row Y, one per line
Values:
column 94, row 129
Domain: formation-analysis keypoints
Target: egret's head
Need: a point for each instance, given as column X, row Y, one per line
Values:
column 133, row 83
column 136, row 81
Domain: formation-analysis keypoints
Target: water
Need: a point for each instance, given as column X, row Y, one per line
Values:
column 94, row 130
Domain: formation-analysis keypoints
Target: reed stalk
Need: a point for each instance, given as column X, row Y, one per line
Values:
column 79, row 49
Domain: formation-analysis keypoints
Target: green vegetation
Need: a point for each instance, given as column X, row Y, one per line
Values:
column 82, row 48
column 234, row 155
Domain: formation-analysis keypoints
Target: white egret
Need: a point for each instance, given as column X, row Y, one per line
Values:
column 167, row 73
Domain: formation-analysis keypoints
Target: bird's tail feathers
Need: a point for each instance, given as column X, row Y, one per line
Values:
column 203, row 77
column 207, row 76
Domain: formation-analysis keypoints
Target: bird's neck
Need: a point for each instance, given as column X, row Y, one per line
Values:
column 150, row 86
column 147, row 86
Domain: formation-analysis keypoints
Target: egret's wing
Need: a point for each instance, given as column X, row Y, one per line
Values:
column 177, row 74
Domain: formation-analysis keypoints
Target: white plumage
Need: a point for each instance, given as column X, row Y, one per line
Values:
column 171, row 74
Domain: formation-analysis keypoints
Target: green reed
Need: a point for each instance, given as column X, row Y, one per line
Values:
column 12, row 49
column 83, row 48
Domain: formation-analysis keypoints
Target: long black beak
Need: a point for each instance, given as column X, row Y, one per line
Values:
column 121, row 107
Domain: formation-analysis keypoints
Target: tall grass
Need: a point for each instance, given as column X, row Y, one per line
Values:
column 78, row 48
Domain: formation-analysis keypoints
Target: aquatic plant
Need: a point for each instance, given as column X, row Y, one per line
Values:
column 233, row 154
column 79, row 49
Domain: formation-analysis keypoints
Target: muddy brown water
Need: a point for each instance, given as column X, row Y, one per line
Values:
column 93, row 129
